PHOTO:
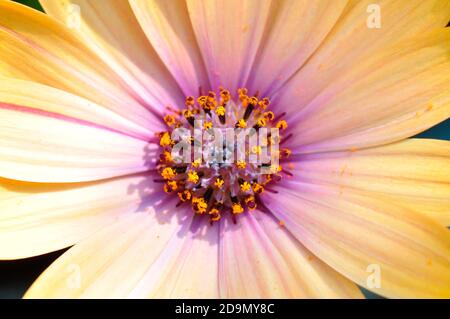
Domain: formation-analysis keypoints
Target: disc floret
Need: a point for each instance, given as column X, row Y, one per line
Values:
column 213, row 187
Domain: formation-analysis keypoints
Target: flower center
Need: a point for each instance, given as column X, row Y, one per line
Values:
column 220, row 154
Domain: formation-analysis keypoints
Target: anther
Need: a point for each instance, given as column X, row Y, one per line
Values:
column 245, row 187
column 219, row 182
column 260, row 123
column 193, row 177
column 189, row 116
column 257, row 188
column 169, row 119
column 168, row 173
column 214, row 214
column 189, row 101
column 207, row 125
column 237, row 208
column 220, row 111
column 170, row 186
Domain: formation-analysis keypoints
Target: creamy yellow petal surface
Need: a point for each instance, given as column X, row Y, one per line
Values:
column 359, row 233
column 41, row 147
column 40, row 218
column 260, row 259
column 390, row 95
column 351, row 40
column 229, row 33
column 148, row 254
column 414, row 172
column 295, row 29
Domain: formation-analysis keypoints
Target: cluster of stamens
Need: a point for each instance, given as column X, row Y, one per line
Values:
column 214, row 188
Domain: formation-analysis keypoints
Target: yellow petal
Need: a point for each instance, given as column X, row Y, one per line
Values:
column 390, row 95
column 384, row 247
column 37, row 146
column 228, row 34
column 415, row 172
column 188, row 266
column 169, row 29
column 111, row 30
column 260, row 259
column 145, row 254
column 351, row 39
column 285, row 48
column 39, row 218
column 51, row 54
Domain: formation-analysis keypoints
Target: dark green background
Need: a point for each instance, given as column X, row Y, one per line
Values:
column 16, row 276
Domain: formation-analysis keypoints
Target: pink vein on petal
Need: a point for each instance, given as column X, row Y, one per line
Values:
column 72, row 70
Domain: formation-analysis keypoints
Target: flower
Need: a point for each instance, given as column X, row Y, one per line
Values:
column 85, row 102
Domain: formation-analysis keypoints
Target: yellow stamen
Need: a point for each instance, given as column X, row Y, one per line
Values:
column 256, row 150
column 225, row 96
column 202, row 179
column 269, row 116
column 189, row 101
column 199, row 205
column 282, row 125
column 261, row 122
column 165, row 140
column 268, row 179
column 264, row 103
column 211, row 100
column 245, row 187
column 276, row 168
column 215, row 214
column 220, row 111
column 250, row 202
column 202, row 100
column 207, row 125
column 187, row 113
column 168, row 173
column 184, row 195
column 170, row 186
column 193, row 177
column 243, row 97
column 209, row 105
column 219, row 183
column 241, row 123
column 274, row 140
column 253, row 100
column 257, row 188
column 237, row 208
column 169, row 119
column 285, row 153
column 196, row 163
column 167, row 156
